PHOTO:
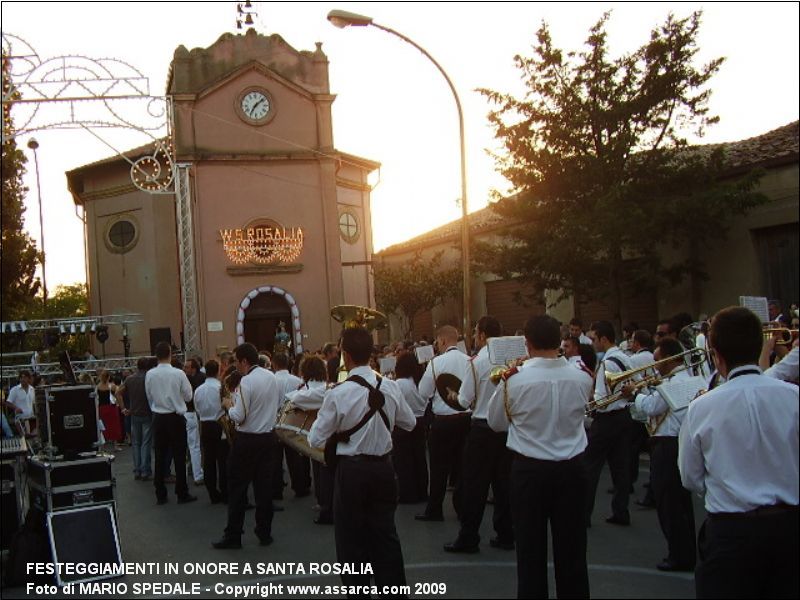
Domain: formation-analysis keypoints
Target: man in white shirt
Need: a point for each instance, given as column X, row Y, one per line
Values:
column 299, row 466
column 22, row 398
column 576, row 330
column 409, row 450
column 641, row 355
column 486, row 458
column 542, row 407
column 168, row 390
column 254, row 410
column 365, row 489
column 672, row 501
column 610, row 432
column 449, row 428
column 739, row 447
column 208, row 406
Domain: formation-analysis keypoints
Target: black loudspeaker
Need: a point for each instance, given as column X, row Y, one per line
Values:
column 67, row 419
column 9, row 504
column 87, row 536
column 159, row 334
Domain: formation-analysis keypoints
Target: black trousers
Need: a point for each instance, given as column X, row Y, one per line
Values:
column 411, row 463
column 364, row 503
column 610, row 439
column 299, row 467
column 446, row 446
column 215, row 460
column 545, row 491
column 673, row 502
column 486, row 461
column 639, row 441
column 744, row 556
column 169, row 434
column 323, row 489
column 251, row 460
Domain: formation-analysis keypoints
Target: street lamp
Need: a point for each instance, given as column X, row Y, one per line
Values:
column 342, row 19
column 34, row 145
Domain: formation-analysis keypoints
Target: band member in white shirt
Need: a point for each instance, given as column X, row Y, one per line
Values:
column 739, row 447
column 610, row 432
column 309, row 396
column 254, row 410
column 409, row 452
column 299, row 466
column 576, row 330
column 22, row 399
column 542, row 407
column 673, row 502
column 208, row 406
column 449, row 428
column 365, row 490
column 486, row 458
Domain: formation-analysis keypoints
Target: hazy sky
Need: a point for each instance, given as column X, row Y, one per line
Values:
column 392, row 105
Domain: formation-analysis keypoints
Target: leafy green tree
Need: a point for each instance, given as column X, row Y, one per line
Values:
column 18, row 253
column 413, row 287
column 602, row 179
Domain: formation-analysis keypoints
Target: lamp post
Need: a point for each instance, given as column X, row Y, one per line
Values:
column 342, row 19
column 34, row 145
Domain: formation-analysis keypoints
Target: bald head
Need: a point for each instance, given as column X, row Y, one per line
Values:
column 447, row 335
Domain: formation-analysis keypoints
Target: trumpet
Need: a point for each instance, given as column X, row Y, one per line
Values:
column 499, row 374
column 615, row 381
column 786, row 335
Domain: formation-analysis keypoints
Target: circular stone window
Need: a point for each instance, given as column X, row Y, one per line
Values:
column 348, row 227
column 121, row 234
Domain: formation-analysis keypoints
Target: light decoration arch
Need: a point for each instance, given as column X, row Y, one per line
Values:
column 293, row 309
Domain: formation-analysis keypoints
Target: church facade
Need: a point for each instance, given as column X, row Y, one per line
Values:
column 280, row 217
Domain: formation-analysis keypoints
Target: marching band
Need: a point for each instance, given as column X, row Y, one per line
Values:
column 538, row 430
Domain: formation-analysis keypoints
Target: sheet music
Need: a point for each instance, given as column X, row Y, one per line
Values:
column 502, row 350
column 424, row 354
column 678, row 394
column 757, row 304
column 388, row 364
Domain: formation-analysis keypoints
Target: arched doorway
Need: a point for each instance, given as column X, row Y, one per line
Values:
column 261, row 311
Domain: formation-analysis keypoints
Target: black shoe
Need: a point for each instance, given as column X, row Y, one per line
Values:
column 427, row 517
column 668, row 565
column 502, row 544
column 186, row 499
column 264, row 540
column 276, row 507
column 160, row 501
column 228, row 543
column 461, row 548
column 615, row 520
column 645, row 503
column 323, row 521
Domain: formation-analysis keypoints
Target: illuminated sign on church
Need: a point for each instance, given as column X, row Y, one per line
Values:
column 262, row 242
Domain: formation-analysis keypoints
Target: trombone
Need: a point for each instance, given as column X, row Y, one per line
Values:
column 616, row 381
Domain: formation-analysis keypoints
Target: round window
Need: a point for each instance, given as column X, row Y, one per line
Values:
column 348, row 227
column 121, row 235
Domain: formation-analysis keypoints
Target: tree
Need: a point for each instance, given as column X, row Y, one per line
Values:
column 413, row 287
column 602, row 179
column 18, row 253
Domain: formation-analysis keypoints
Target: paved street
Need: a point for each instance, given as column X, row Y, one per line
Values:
column 621, row 559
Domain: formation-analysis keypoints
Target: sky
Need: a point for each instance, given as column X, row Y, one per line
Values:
column 392, row 105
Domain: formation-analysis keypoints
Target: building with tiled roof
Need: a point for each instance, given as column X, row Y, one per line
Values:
column 759, row 257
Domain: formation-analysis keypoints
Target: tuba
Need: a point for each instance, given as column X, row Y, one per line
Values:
column 350, row 316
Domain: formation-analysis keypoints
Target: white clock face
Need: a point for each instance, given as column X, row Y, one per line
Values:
column 255, row 105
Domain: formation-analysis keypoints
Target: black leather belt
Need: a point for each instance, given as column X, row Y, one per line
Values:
column 761, row 511
column 365, row 457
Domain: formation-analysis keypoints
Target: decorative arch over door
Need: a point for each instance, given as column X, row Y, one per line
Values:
column 294, row 310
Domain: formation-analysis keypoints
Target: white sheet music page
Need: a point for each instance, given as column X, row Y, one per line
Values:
column 678, row 394
column 504, row 349
column 388, row 364
column 424, row 354
column 757, row 304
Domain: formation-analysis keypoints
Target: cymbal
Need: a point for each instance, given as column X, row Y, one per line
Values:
column 445, row 383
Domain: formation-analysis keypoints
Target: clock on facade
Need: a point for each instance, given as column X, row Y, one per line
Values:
column 255, row 105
